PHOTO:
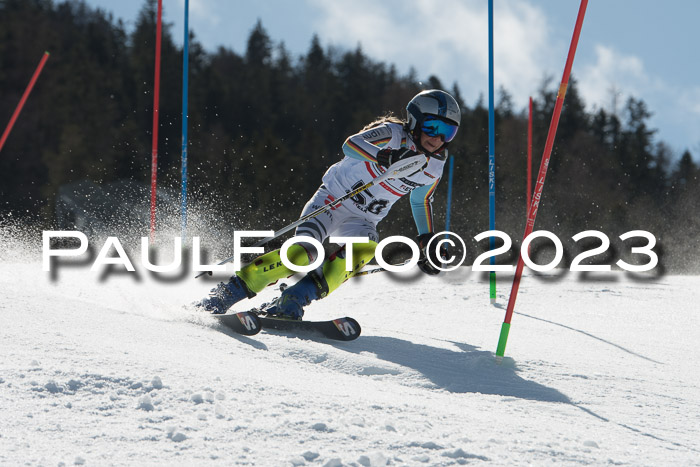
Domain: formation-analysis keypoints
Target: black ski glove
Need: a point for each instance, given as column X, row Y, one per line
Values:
column 423, row 263
column 386, row 157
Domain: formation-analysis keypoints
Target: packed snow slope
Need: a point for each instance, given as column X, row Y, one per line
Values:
column 114, row 369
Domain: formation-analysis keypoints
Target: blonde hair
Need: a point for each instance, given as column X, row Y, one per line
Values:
column 388, row 117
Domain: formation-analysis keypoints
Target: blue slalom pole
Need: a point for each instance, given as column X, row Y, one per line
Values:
column 449, row 193
column 492, row 159
column 185, row 65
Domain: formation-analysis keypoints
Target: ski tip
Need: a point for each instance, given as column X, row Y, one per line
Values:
column 243, row 322
column 349, row 329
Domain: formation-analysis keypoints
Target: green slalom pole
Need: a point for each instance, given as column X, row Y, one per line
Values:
column 534, row 206
column 502, row 339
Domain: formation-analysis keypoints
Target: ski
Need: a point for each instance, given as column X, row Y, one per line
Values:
column 243, row 322
column 248, row 323
column 341, row 329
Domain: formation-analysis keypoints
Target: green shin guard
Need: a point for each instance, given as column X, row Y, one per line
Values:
column 334, row 271
column 269, row 268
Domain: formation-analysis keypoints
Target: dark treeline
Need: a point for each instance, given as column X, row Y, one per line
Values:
column 265, row 125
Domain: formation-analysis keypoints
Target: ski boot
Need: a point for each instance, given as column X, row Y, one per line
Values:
column 225, row 295
column 290, row 305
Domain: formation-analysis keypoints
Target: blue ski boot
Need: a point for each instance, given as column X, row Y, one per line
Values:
column 225, row 295
column 290, row 305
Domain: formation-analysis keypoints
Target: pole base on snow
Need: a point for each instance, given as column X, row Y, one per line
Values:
column 501, row 350
column 492, row 287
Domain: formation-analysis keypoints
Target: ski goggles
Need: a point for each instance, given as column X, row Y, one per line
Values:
column 433, row 126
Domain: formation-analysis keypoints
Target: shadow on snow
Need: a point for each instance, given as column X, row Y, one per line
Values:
column 466, row 370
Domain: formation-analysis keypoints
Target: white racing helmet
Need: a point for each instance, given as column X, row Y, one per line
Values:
column 435, row 113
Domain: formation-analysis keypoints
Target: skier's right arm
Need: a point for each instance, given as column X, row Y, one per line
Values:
column 366, row 145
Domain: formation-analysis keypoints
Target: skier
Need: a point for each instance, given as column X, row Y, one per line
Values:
column 433, row 121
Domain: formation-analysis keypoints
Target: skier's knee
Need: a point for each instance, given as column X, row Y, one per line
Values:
column 269, row 268
column 336, row 269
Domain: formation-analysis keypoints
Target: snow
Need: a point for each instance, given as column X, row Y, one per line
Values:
column 116, row 369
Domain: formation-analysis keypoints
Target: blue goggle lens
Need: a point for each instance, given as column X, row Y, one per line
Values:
column 435, row 127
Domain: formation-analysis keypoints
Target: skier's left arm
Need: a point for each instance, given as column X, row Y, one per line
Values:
column 422, row 207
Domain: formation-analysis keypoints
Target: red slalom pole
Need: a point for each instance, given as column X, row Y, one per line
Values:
column 23, row 99
column 529, row 157
column 532, row 212
column 154, row 143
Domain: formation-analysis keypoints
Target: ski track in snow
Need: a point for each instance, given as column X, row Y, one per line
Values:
column 113, row 370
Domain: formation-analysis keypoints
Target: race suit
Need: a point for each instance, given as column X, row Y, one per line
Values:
column 358, row 167
column 359, row 215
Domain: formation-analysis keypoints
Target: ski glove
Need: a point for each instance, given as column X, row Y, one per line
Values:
column 386, row 157
column 423, row 263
